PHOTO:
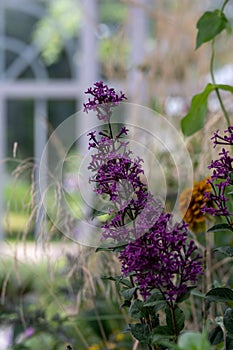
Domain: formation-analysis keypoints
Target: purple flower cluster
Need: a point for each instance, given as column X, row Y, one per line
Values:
column 163, row 259
column 157, row 252
column 118, row 175
column 221, row 178
column 134, row 220
column 223, row 140
column 103, row 99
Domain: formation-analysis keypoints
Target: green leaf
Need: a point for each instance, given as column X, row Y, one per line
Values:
column 155, row 296
column 228, row 251
column 111, row 247
column 128, row 293
column 229, row 342
column 224, row 87
column 157, row 305
column 167, row 344
column 216, row 336
column 185, row 295
column 155, row 321
column 140, row 332
column 118, row 280
column 209, row 25
column 219, row 228
column 193, row 341
column 99, row 212
column 198, row 294
column 136, row 309
column 126, row 303
column 161, row 330
column 195, row 119
column 220, row 295
column 228, row 320
column 179, row 318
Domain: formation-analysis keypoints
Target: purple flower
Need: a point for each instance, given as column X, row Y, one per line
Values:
column 163, row 259
column 129, row 224
column 223, row 140
column 117, row 175
column 103, row 99
column 6, row 336
column 157, row 253
column 26, row 334
column 222, row 167
column 221, row 179
column 29, row 332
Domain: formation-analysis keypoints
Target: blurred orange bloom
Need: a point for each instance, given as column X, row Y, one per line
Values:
column 193, row 215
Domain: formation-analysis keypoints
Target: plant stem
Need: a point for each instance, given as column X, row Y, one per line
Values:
column 204, row 317
column 174, row 322
column 110, row 129
column 135, row 294
column 214, row 83
column 223, row 6
column 209, row 240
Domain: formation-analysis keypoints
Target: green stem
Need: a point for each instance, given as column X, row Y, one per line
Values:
column 135, row 294
column 172, row 306
column 209, row 240
column 110, row 129
column 147, row 320
column 174, row 323
column 214, row 83
column 204, row 290
column 223, row 6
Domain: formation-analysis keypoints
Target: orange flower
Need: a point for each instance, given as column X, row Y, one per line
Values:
column 193, row 215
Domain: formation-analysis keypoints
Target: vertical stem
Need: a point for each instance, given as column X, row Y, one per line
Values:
column 194, row 314
column 110, row 130
column 214, row 83
column 135, row 294
column 212, row 73
column 223, row 6
column 204, row 316
column 208, row 241
column 171, row 306
column 207, row 268
column 148, row 321
column 209, row 237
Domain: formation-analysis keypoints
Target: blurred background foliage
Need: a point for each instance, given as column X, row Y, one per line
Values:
column 61, row 22
column 54, row 301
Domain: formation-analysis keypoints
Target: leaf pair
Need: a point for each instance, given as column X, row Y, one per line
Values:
column 210, row 24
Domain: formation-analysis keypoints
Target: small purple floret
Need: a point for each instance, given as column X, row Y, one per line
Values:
column 102, row 101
